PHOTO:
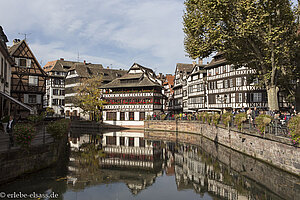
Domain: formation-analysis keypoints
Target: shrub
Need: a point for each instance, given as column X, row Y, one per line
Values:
column 294, row 129
column 203, row 116
column 216, row 118
column 208, row 117
column 24, row 134
column 59, row 128
column 262, row 121
column 226, row 118
column 239, row 119
column 36, row 118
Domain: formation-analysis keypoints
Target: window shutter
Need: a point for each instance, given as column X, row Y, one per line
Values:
column 25, row 98
column 17, row 61
column 28, row 63
column 38, row 99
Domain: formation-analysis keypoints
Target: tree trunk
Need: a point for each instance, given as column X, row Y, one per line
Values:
column 273, row 98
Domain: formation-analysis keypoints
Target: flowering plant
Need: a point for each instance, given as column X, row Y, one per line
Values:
column 226, row 118
column 262, row 121
column 239, row 119
column 294, row 129
column 24, row 134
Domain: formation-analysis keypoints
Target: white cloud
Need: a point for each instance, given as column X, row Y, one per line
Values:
column 114, row 32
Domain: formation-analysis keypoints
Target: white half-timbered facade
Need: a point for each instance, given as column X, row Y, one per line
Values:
column 132, row 97
column 228, row 87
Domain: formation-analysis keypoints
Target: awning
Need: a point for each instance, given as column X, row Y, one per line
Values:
column 16, row 101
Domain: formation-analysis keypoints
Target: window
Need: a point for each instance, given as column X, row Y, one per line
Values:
column 142, row 116
column 257, row 97
column 31, row 98
column 61, row 102
column 122, row 116
column 240, row 97
column 122, row 141
column 111, row 140
column 33, row 80
column 22, row 62
column 131, row 116
column 131, row 142
column 55, row 102
column 225, row 84
column 231, row 83
column 72, row 71
column 239, row 81
column 220, row 84
column 62, row 92
column 232, row 98
column 142, row 142
column 55, row 91
column 111, row 116
column 68, row 113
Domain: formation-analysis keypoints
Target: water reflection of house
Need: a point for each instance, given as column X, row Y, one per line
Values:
column 129, row 149
column 193, row 172
column 129, row 159
column 77, row 141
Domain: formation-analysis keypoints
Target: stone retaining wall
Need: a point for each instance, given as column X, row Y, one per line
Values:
column 17, row 162
column 273, row 150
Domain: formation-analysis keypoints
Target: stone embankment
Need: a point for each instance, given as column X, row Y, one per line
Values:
column 275, row 150
column 16, row 162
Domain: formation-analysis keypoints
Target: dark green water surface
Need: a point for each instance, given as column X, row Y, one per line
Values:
column 137, row 165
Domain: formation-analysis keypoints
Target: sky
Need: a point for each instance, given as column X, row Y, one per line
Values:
column 114, row 33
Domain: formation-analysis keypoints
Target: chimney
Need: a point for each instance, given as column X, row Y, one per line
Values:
column 200, row 61
column 62, row 59
column 16, row 41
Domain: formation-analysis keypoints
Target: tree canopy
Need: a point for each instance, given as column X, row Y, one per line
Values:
column 259, row 34
column 88, row 96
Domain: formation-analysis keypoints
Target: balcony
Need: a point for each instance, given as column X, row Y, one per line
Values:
column 140, row 94
column 132, row 107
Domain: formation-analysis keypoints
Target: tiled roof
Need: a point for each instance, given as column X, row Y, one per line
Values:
column 144, row 79
column 169, row 79
column 216, row 61
column 184, row 67
column 58, row 65
column 14, row 47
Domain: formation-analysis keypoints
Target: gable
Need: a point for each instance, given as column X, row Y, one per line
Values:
column 22, row 50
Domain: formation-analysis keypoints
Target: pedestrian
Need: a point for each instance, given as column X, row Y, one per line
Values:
column 293, row 111
column 10, row 125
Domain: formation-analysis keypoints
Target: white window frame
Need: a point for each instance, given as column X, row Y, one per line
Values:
column 33, row 80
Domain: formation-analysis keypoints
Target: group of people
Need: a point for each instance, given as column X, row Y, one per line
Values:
column 283, row 116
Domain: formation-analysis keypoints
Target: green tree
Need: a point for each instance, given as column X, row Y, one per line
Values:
column 258, row 34
column 88, row 96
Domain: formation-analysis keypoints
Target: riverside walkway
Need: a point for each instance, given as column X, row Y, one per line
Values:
column 39, row 139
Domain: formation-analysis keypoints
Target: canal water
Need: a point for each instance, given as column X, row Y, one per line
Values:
column 151, row 165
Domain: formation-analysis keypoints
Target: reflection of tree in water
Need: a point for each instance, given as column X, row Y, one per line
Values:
column 88, row 156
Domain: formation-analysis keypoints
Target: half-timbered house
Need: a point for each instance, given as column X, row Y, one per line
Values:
column 168, row 85
column 55, row 85
column 75, row 77
column 182, row 71
column 28, row 79
column 196, row 89
column 132, row 97
column 228, row 87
